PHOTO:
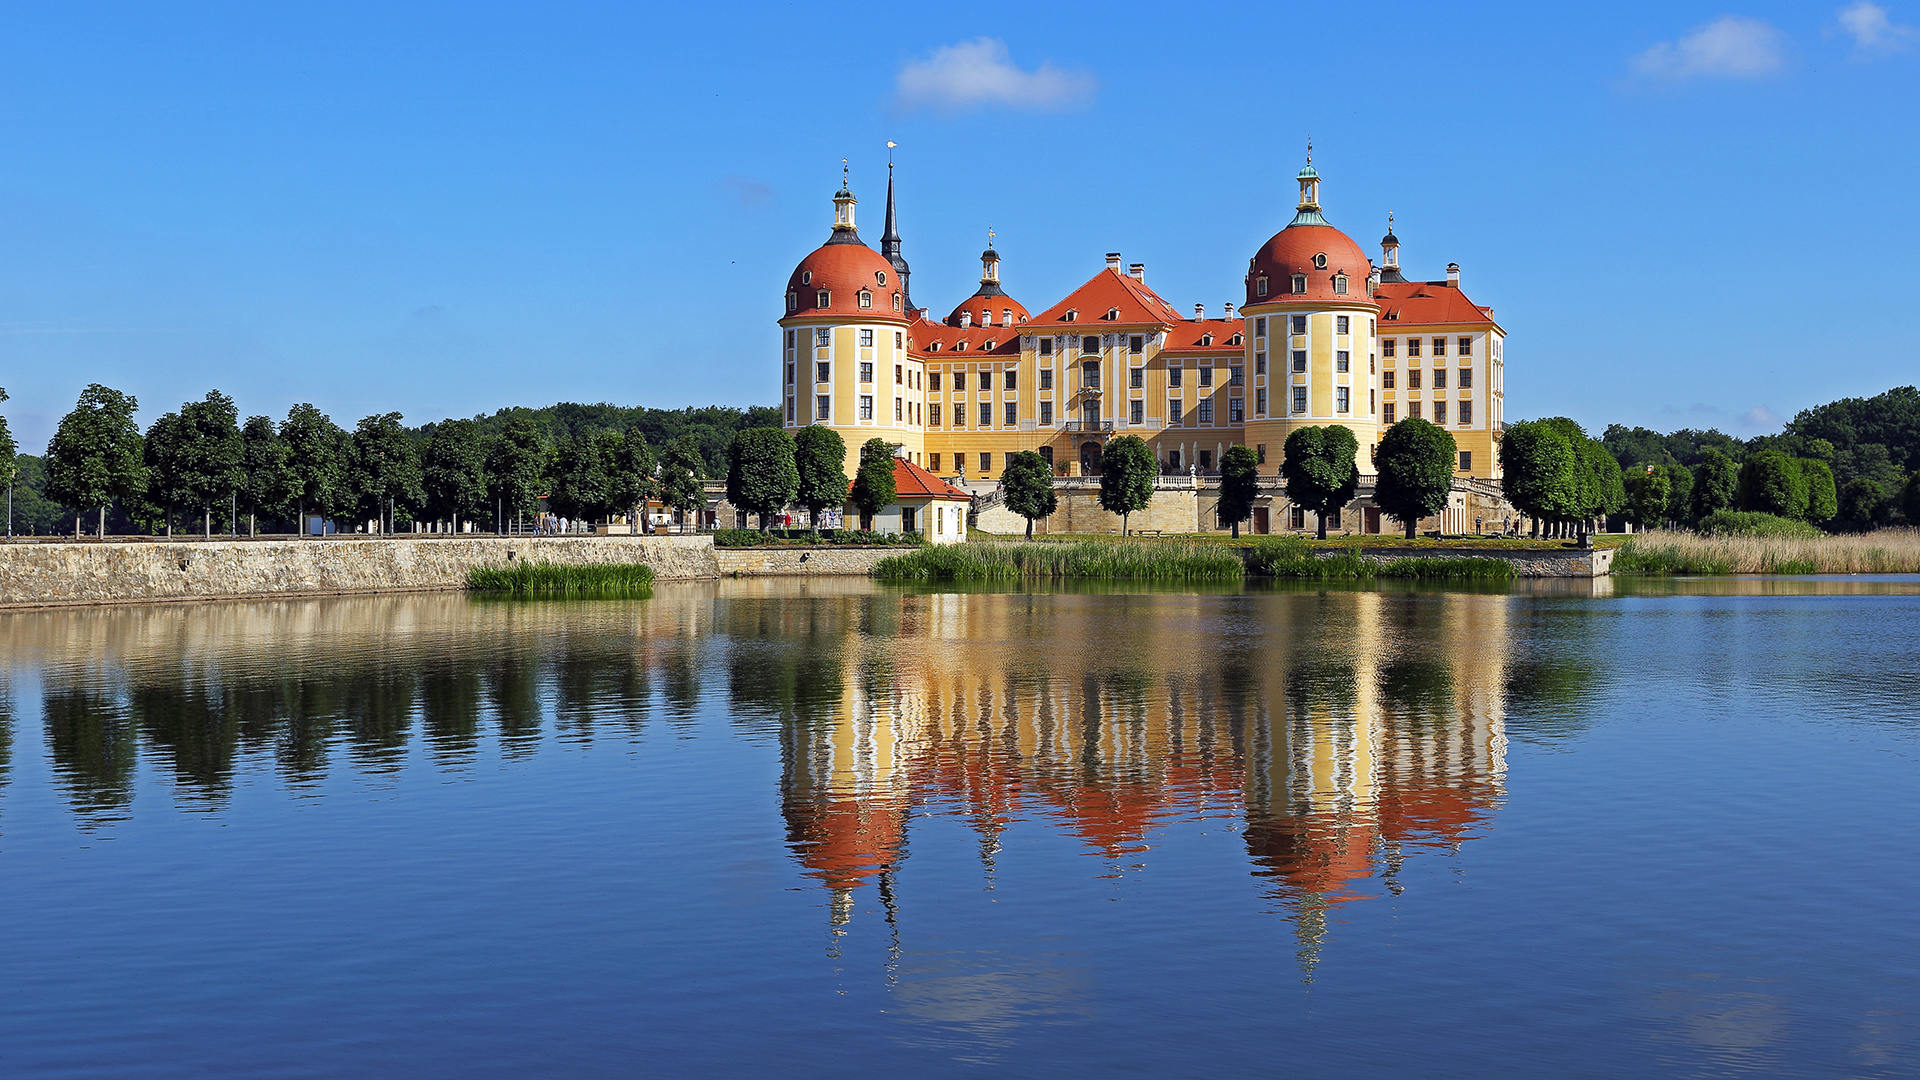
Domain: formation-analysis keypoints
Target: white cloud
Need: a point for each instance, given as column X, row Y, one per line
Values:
column 1762, row 417
column 1730, row 47
column 981, row 72
column 1873, row 31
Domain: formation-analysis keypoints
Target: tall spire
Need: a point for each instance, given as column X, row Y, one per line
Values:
column 890, row 238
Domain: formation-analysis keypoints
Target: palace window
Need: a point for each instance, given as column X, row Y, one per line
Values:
column 1046, row 346
column 789, row 410
column 960, row 346
column 1206, row 410
column 1343, row 360
column 933, row 417
column 1386, row 380
column 1173, row 412
column 1089, row 344
column 899, row 340
column 1299, row 284
column 1439, row 378
column 1299, row 359
column 1013, row 379
column 1113, row 313
column 1320, row 261
column 1439, row 346
column 1466, row 347
column 1206, row 459
column 1206, row 376
column 866, row 298
column 820, row 407
column 823, row 298
column 1260, row 453
column 986, row 415
column 899, row 408
column 1236, row 376
column 866, row 406
column 1013, row 413
column 866, row 373
column 793, row 302
column 1342, row 399
column 1136, row 344
column 822, row 372
column 1413, row 346
column 1173, row 459
column 1466, row 461
column 1236, row 410
column 933, row 462
column 1137, row 411
column 1466, row 378
column 1072, row 315
column 1339, row 284
column 1046, row 378
column 1046, row 455
column 1260, row 404
column 1259, row 363
column 1236, row 341
column 1137, row 378
column 986, row 380
column 1439, row 412
column 1260, row 287
column 1090, row 374
column 1465, row 411
column 986, row 462
column 896, row 301
column 1299, row 324
column 1370, row 402
column 1341, row 323
column 1174, row 375
column 933, row 379
column 898, row 378
column 1299, row 399
column 1413, row 378
column 1386, row 412
column 789, row 373
column 1046, row 412
column 806, row 277
column 1387, row 346
column 866, row 339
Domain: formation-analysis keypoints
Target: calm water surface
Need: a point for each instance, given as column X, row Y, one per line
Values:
column 814, row 829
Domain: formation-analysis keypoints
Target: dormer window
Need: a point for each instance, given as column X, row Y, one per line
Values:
column 959, row 346
column 988, row 346
column 1320, row 261
column 1260, row 287
column 793, row 301
column 966, row 319
column 1235, row 340
column 1299, row 284
column 866, row 299
column 896, row 301
column 879, row 277
column 933, row 346
column 1206, row 339
column 1006, row 316
column 1113, row 313
column 806, row 277
column 823, row 299
column 986, row 317
column 1072, row 315
column 1023, row 318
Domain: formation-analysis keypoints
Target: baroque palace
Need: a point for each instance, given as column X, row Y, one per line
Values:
column 1324, row 336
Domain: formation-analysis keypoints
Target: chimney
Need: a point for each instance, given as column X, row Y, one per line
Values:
column 1113, row 260
column 966, row 318
column 1453, row 275
column 1138, row 272
column 1229, row 315
column 1199, row 312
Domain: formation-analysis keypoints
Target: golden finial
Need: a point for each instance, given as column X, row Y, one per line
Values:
column 989, row 236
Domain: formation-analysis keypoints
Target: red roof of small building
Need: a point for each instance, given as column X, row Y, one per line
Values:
column 1426, row 303
column 1110, row 290
column 910, row 481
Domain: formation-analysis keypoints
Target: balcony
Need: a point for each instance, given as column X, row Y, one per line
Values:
column 1077, row 426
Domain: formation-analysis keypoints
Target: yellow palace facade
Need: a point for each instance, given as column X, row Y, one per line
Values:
column 1324, row 336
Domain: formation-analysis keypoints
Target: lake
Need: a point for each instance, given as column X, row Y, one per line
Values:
column 818, row 828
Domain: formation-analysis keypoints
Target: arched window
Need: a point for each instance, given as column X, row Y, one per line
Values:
column 1073, row 315
column 1340, row 284
column 896, row 301
column 866, row 299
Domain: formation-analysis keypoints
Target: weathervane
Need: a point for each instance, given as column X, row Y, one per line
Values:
column 843, row 172
column 890, row 145
column 1309, row 149
column 989, row 236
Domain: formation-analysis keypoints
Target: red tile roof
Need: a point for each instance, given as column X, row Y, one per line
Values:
column 926, row 339
column 1426, row 303
column 910, row 481
column 1110, row 290
column 1187, row 337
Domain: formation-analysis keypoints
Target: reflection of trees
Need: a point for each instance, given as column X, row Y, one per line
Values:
column 450, row 695
column 191, row 726
column 92, row 742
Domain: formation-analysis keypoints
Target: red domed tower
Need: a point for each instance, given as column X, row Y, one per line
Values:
column 844, row 358
column 990, row 305
column 1310, row 328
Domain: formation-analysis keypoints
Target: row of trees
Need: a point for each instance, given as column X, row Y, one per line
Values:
column 769, row 470
column 1556, row 475
column 203, row 461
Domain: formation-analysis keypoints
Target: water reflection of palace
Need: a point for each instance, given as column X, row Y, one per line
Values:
column 1347, row 732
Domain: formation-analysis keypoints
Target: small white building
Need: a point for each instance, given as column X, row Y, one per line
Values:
column 923, row 503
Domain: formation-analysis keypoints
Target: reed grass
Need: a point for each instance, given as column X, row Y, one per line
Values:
column 1886, row 551
column 1428, row 568
column 600, row 581
column 1298, row 559
column 1083, row 561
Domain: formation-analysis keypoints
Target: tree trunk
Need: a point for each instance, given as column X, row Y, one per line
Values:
column 1412, row 524
column 300, row 524
column 207, row 523
column 1320, row 524
column 1123, row 524
column 253, row 524
column 103, row 523
column 76, row 528
column 1029, row 528
column 1236, row 530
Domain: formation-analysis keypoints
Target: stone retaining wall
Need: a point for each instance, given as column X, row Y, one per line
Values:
column 1535, row 563
column 41, row 574
column 794, row 560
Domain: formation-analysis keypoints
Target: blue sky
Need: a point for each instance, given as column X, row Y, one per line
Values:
column 1683, row 214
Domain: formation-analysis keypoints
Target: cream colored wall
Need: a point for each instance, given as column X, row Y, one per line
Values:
column 845, row 354
column 1322, row 344
column 1487, row 363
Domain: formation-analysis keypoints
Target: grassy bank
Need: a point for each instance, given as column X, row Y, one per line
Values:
column 1083, row 561
column 602, row 580
column 1293, row 557
column 1887, row 551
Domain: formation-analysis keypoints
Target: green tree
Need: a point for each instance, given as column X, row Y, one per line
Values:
column 761, row 475
column 163, row 454
column 1414, row 471
column 1716, row 485
column 1028, row 483
column 1910, row 499
column 9, row 470
column 1772, row 483
column 1127, row 469
column 32, row 510
column 631, row 467
column 1319, row 467
column 1605, row 487
column 1537, row 466
column 680, row 469
column 1239, row 485
column 1823, row 500
column 820, row 456
column 1863, row 504
column 95, row 455
column 384, row 467
column 212, row 454
column 517, row 462
column 873, row 487
column 453, row 471
column 1680, row 484
column 266, row 477
column 317, row 453
column 1648, row 494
